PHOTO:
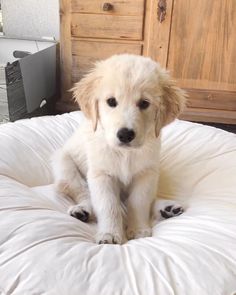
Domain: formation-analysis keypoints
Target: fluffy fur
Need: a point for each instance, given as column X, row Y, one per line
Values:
column 95, row 168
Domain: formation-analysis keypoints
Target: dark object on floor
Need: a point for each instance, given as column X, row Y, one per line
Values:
column 28, row 84
column 226, row 127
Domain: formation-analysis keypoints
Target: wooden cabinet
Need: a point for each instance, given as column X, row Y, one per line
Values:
column 195, row 40
column 93, row 30
column 197, row 43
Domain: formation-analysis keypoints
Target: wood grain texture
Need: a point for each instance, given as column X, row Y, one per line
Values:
column 107, row 26
column 202, row 50
column 124, row 7
column 85, row 53
column 196, row 41
column 209, row 115
column 157, row 34
column 212, row 99
column 146, row 24
column 114, row 41
column 65, row 49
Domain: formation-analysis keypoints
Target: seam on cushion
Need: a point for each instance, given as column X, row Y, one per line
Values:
column 42, row 135
column 130, row 270
column 14, row 179
column 29, row 247
column 231, row 260
column 164, row 280
column 36, row 154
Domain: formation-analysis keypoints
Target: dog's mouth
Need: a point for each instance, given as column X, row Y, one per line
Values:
column 129, row 145
column 125, row 145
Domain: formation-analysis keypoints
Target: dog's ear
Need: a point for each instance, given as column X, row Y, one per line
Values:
column 172, row 103
column 84, row 93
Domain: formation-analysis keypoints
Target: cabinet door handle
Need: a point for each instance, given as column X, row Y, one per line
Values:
column 161, row 10
column 107, row 6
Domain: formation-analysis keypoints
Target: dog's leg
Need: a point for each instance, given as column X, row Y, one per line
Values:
column 69, row 181
column 141, row 196
column 105, row 196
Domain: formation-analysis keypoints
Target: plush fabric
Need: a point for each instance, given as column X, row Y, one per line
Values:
column 45, row 251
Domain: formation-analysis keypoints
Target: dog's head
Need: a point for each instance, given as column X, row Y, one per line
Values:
column 131, row 98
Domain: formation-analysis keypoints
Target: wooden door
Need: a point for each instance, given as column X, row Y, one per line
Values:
column 197, row 43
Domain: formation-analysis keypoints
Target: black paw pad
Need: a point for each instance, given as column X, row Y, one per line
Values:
column 107, row 242
column 81, row 215
column 171, row 211
column 168, row 208
column 103, row 242
column 177, row 210
column 114, row 241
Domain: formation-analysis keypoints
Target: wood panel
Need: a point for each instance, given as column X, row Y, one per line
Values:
column 157, row 34
column 212, row 99
column 196, row 41
column 65, row 49
column 202, row 51
column 209, row 115
column 107, row 26
column 124, row 7
column 85, row 53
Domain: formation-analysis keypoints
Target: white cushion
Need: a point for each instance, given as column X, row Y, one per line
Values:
column 45, row 251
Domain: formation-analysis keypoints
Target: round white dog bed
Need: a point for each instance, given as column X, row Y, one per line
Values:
column 45, row 251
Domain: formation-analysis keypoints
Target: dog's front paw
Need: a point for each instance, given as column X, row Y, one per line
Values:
column 172, row 211
column 163, row 209
column 109, row 238
column 138, row 233
column 83, row 213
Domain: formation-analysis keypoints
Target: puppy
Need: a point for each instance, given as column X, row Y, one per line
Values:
column 113, row 157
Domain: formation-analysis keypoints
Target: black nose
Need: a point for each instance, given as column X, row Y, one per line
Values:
column 126, row 135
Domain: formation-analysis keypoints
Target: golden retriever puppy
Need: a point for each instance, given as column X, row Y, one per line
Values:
column 114, row 155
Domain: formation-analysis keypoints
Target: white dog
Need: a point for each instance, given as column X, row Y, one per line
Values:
column 114, row 156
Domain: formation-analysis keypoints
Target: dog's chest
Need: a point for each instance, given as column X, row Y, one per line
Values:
column 125, row 169
column 124, row 166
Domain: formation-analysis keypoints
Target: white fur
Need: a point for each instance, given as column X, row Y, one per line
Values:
column 94, row 169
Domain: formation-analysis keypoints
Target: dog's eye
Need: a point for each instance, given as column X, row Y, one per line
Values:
column 112, row 102
column 143, row 104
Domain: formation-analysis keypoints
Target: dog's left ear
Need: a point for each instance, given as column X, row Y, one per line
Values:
column 173, row 100
column 172, row 103
column 84, row 94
